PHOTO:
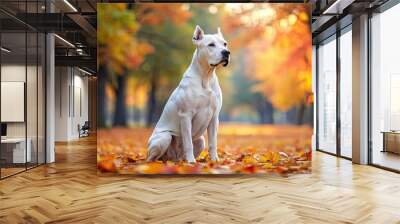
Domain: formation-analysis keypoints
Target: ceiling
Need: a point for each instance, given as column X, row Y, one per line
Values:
column 328, row 16
column 74, row 22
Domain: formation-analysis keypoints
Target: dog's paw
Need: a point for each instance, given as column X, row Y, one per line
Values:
column 191, row 160
column 214, row 158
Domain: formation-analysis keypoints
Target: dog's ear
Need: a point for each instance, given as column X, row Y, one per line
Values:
column 198, row 34
column 220, row 33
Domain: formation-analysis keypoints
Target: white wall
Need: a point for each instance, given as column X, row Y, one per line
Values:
column 80, row 110
column 12, row 73
column 13, row 99
column 33, row 126
column 71, row 102
column 62, row 82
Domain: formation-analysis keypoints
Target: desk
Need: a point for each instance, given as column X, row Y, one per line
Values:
column 391, row 141
column 16, row 148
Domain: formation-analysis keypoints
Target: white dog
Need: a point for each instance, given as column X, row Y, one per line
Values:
column 194, row 105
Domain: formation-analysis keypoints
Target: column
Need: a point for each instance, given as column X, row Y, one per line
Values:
column 50, row 92
column 360, row 90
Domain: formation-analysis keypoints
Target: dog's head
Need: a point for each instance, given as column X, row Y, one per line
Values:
column 211, row 47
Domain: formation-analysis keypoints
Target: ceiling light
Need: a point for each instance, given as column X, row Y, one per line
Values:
column 70, row 5
column 84, row 71
column 331, row 7
column 5, row 50
column 337, row 7
column 79, row 51
column 65, row 41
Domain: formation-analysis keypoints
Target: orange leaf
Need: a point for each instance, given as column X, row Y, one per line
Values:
column 150, row 168
column 202, row 156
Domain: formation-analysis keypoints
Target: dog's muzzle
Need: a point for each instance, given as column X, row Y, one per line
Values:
column 225, row 62
column 225, row 57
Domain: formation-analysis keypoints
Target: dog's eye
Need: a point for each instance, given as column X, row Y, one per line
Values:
column 211, row 45
column 225, row 44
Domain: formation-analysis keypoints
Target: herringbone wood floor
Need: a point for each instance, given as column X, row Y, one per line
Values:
column 70, row 191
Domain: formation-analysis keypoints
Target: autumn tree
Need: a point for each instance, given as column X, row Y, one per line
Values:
column 278, row 45
column 124, row 44
column 118, row 51
column 165, row 27
column 243, row 94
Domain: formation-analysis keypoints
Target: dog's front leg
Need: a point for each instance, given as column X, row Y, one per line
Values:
column 186, row 134
column 212, row 138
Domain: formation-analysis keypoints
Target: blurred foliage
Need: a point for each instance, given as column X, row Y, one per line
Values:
column 116, row 31
column 279, row 49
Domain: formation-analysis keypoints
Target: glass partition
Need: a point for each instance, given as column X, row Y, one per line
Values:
column 22, row 88
column 14, row 146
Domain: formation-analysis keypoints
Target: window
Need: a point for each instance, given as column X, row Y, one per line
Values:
column 346, row 93
column 327, row 96
column 385, row 89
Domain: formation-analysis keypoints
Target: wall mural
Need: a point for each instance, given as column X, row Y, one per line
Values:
column 204, row 88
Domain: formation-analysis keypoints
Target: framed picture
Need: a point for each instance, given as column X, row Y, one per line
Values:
column 204, row 88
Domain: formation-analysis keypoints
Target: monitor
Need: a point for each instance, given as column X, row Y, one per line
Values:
column 3, row 129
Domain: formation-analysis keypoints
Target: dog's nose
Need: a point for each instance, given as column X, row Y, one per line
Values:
column 225, row 53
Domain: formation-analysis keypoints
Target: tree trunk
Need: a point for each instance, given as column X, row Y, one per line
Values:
column 101, row 97
column 265, row 111
column 291, row 116
column 120, row 104
column 310, row 115
column 300, row 114
column 151, row 103
column 268, row 113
